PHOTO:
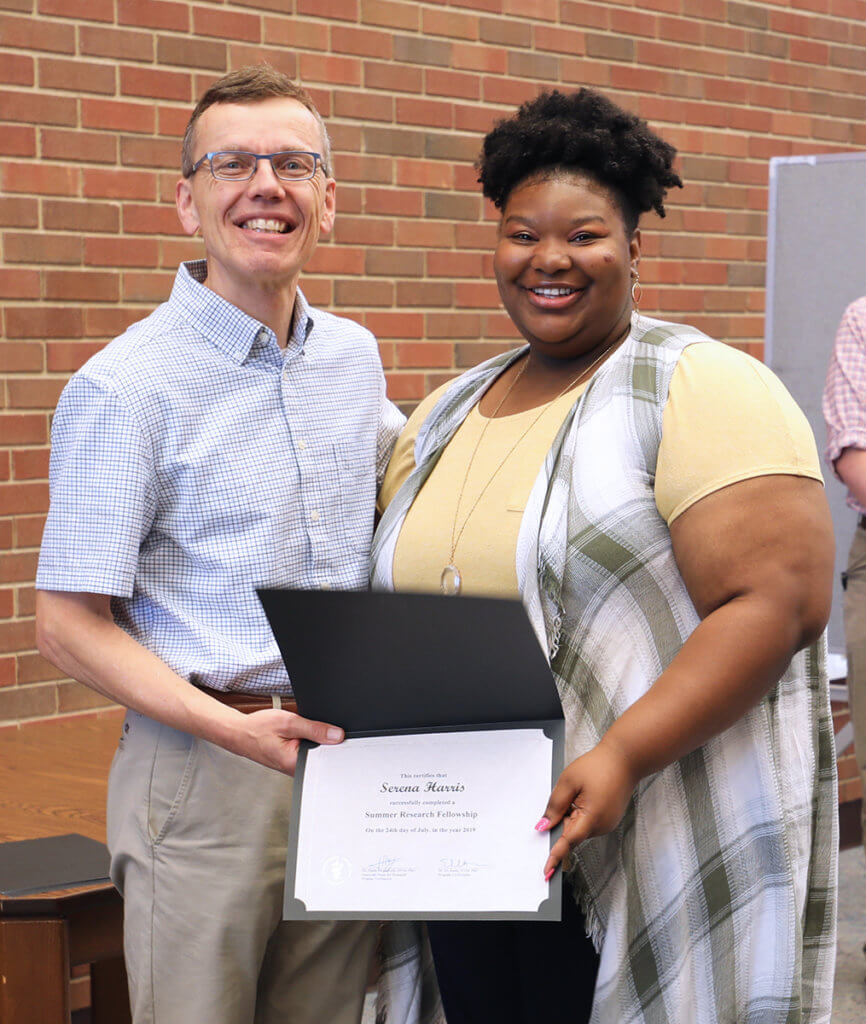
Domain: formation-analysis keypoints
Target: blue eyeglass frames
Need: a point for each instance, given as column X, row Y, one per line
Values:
column 237, row 165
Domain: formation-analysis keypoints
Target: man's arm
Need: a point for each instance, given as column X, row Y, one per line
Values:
column 391, row 422
column 77, row 633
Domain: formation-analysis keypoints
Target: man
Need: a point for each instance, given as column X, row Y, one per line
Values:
column 844, row 408
column 235, row 438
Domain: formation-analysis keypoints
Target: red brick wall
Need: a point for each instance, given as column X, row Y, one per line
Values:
column 94, row 95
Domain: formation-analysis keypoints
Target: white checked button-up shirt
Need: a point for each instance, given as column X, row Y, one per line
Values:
column 193, row 460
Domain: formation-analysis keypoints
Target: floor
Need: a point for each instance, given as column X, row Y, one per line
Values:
column 849, row 998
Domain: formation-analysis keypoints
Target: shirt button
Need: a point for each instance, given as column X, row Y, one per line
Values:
column 302, row 446
column 326, row 585
column 314, row 515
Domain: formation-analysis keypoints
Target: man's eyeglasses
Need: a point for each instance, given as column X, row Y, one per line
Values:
column 236, row 165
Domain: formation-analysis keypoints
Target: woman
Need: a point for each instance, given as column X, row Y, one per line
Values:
column 655, row 499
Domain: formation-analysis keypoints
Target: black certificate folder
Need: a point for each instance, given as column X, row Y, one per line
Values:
column 394, row 663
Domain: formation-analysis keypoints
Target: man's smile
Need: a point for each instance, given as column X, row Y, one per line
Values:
column 271, row 225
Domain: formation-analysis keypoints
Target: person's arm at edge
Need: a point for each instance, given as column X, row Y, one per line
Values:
column 77, row 633
column 851, row 469
column 757, row 560
column 844, row 404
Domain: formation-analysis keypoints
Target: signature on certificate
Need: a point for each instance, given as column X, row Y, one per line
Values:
column 451, row 866
column 386, row 867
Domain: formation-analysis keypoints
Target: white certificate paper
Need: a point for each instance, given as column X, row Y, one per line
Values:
column 431, row 824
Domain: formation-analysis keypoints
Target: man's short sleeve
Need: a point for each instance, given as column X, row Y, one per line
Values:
column 102, row 493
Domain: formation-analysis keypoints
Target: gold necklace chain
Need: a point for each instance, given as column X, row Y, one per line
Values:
column 451, row 581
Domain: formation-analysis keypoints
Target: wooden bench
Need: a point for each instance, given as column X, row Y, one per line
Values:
column 53, row 777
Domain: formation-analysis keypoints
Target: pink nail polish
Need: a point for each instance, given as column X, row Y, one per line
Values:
column 543, row 825
column 549, row 874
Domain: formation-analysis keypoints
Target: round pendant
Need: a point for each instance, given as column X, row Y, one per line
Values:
column 450, row 580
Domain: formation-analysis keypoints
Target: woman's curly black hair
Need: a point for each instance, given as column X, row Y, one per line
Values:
column 586, row 133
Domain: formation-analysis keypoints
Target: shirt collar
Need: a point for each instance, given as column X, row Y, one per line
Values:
column 302, row 322
column 231, row 330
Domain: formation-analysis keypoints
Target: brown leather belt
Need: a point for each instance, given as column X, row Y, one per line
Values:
column 250, row 702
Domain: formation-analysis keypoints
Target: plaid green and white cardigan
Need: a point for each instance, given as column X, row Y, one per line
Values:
column 713, row 902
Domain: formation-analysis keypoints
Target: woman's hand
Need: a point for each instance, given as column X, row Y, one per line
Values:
column 591, row 795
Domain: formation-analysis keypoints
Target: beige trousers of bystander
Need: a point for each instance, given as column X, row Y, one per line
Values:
column 855, row 642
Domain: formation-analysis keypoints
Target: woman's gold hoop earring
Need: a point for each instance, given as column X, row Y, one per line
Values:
column 636, row 291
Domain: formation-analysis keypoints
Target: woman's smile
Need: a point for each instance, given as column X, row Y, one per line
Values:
column 550, row 296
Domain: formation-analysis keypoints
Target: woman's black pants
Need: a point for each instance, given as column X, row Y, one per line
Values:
column 515, row 972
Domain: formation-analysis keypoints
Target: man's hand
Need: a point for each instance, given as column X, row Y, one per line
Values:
column 273, row 737
column 591, row 794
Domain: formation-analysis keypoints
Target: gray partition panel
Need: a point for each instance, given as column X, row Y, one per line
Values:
column 816, row 266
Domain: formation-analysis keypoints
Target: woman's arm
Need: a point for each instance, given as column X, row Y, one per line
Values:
column 757, row 560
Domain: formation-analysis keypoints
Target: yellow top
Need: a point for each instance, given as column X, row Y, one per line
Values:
column 708, row 442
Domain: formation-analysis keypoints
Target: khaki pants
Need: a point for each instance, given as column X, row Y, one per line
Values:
column 198, row 844
column 855, row 642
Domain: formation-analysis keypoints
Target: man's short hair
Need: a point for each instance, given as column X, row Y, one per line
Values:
column 248, row 85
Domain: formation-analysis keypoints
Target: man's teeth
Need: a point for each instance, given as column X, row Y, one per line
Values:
column 553, row 292
column 266, row 224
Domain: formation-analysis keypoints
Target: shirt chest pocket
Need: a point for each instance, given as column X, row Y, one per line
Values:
column 356, row 484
